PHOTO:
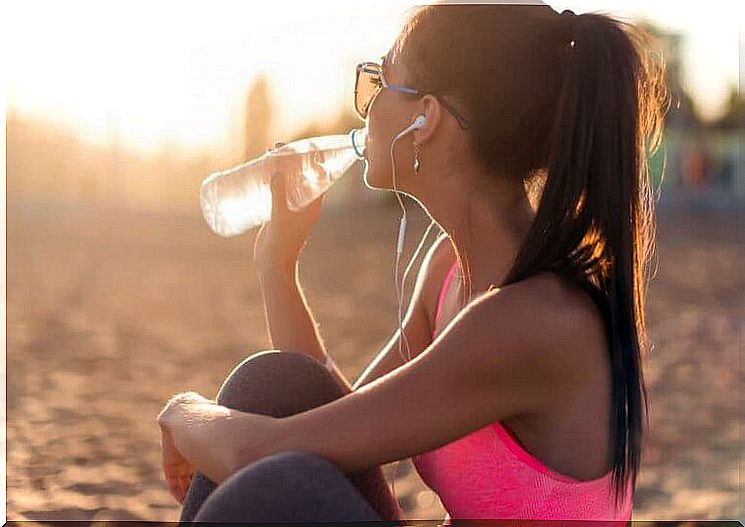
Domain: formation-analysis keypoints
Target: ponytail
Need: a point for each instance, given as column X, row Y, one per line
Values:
column 594, row 224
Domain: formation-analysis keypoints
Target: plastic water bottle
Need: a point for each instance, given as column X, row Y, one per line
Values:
column 238, row 199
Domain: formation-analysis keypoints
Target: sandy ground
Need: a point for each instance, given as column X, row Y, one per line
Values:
column 109, row 314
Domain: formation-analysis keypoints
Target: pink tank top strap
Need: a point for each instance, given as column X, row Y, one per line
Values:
column 445, row 286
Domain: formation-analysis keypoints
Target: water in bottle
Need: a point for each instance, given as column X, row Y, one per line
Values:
column 238, row 199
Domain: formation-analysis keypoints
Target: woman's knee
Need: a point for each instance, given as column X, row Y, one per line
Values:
column 293, row 468
column 278, row 383
column 287, row 486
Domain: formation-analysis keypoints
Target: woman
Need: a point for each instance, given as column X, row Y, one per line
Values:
column 524, row 395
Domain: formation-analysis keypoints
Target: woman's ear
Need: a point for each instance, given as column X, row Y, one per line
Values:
column 431, row 109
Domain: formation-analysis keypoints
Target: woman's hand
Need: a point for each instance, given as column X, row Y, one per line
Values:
column 280, row 240
column 200, row 434
column 176, row 408
column 177, row 470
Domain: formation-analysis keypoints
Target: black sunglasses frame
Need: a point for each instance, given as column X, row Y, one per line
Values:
column 373, row 67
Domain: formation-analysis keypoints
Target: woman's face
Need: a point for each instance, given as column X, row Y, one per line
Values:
column 389, row 113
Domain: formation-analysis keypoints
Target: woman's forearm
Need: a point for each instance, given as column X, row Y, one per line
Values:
column 289, row 319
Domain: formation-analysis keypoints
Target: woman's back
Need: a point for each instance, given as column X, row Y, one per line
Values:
column 491, row 474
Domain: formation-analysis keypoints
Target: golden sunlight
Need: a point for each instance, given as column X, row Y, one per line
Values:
column 101, row 96
column 143, row 75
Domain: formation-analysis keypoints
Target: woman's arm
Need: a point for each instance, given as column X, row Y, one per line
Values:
column 289, row 319
column 417, row 321
column 503, row 355
column 292, row 326
column 277, row 247
column 196, row 434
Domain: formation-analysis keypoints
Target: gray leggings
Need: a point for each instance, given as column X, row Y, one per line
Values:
column 290, row 486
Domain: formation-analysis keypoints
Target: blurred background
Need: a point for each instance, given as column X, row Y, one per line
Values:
column 119, row 295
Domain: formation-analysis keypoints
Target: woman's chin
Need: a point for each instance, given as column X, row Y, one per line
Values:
column 375, row 180
column 371, row 181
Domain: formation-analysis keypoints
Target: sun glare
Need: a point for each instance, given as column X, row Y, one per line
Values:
column 143, row 74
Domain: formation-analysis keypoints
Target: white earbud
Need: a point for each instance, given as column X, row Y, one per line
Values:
column 416, row 125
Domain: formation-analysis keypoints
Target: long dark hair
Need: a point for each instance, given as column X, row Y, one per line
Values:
column 571, row 105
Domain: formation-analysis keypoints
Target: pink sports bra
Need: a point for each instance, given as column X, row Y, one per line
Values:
column 488, row 474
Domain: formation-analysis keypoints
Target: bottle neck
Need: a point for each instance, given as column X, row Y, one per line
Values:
column 358, row 137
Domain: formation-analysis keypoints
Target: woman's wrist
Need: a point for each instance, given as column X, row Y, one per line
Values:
column 276, row 269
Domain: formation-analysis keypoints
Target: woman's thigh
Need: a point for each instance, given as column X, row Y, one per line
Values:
column 282, row 383
column 287, row 486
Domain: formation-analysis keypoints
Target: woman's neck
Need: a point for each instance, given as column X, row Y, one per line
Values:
column 487, row 231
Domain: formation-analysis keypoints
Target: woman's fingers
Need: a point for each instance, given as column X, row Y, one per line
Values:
column 278, row 193
column 175, row 491
column 178, row 471
column 184, row 489
column 179, row 487
column 277, row 184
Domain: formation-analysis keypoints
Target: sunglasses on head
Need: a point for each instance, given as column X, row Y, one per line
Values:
column 370, row 80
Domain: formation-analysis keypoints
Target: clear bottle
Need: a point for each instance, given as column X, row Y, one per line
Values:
column 238, row 199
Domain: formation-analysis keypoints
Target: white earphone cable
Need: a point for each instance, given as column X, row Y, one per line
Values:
column 399, row 290
column 399, row 245
column 399, row 250
column 414, row 256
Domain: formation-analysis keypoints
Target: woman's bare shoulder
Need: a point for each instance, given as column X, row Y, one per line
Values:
column 567, row 314
column 441, row 255
column 435, row 265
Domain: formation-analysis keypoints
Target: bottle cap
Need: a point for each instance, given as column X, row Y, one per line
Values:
column 359, row 137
